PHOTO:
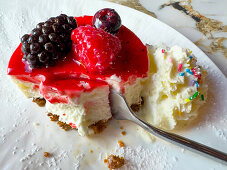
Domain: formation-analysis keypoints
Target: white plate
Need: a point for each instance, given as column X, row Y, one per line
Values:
column 22, row 143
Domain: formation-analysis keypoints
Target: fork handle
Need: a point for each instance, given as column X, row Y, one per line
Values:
column 183, row 142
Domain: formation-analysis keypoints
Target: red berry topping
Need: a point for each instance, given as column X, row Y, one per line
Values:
column 95, row 48
column 107, row 19
column 49, row 42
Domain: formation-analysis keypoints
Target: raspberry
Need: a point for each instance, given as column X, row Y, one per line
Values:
column 95, row 48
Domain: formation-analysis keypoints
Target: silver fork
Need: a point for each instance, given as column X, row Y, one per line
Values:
column 121, row 111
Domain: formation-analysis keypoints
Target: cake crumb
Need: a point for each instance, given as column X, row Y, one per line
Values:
column 121, row 143
column 121, row 127
column 53, row 117
column 99, row 126
column 41, row 102
column 123, row 133
column 36, row 124
column 64, row 126
column 47, row 154
column 91, row 151
column 136, row 106
column 114, row 162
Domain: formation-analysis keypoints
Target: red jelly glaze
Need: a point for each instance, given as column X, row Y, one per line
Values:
column 132, row 61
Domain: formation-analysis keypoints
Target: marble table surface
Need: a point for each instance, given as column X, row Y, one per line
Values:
column 204, row 22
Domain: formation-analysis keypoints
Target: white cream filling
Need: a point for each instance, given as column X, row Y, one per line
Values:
column 166, row 90
column 88, row 109
column 131, row 89
column 27, row 88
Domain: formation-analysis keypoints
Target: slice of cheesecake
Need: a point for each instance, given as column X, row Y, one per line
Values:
column 79, row 103
column 79, row 96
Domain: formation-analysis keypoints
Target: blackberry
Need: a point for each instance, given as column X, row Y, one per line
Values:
column 25, row 47
column 32, row 39
column 36, row 31
column 24, row 38
column 43, row 39
column 49, row 42
column 34, row 48
column 39, row 25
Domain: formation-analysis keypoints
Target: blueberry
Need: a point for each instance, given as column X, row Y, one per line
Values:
column 108, row 20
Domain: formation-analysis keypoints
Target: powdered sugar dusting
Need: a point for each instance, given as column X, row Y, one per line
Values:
column 137, row 158
column 78, row 159
column 30, row 154
column 18, row 113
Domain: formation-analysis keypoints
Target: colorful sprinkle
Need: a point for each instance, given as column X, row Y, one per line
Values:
column 180, row 67
column 195, row 95
column 187, row 100
column 196, row 74
column 181, row 74
column 190, row 57
column 192, row 83
column 197, row 84
column 202, row 97
column 189, row 71
column 192, row 97
column 190, row 51
column 163, row 50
